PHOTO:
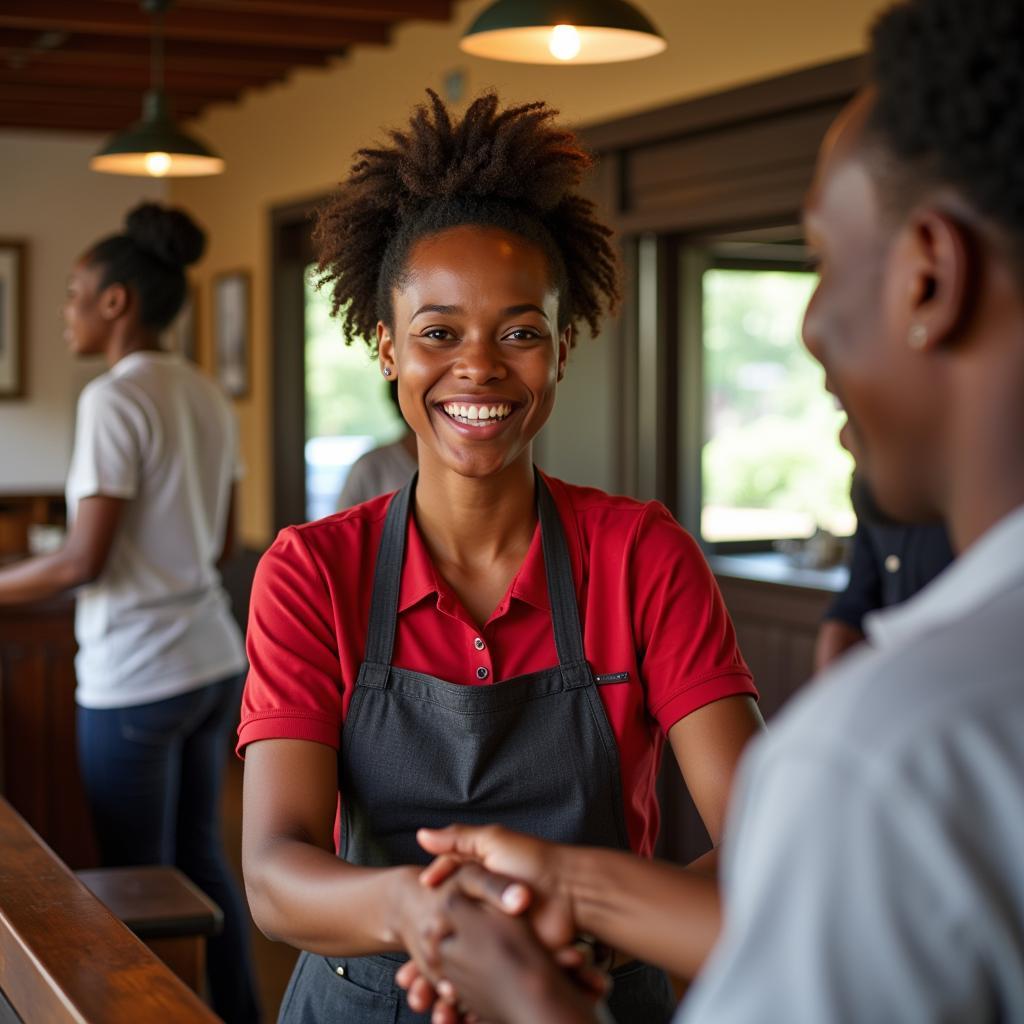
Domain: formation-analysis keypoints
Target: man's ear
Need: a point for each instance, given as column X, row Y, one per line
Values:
column 386, row 350
column 943, row 268
column 114, row 301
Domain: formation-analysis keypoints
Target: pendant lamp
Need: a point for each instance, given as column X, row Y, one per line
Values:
column 154, row 146
column 562, row 32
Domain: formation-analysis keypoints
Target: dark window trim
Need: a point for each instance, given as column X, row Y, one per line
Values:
column 824, row 84
column 291, row 251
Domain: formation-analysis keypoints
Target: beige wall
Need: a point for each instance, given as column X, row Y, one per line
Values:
column 295, row 140
column 51, row 200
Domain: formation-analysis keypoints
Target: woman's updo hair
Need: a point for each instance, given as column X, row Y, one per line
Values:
column 511, row 169
column 150, row 258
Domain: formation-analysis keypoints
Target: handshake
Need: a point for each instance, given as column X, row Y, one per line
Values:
column 493, row 935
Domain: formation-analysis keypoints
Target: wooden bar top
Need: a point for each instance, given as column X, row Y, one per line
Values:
column 64, row 958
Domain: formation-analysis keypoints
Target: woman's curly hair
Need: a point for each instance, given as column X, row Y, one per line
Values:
column 512, row 169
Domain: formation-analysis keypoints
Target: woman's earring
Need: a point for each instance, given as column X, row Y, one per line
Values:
column 917, row 336
column 386, row 371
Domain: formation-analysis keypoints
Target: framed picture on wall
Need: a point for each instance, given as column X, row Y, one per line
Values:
column 12, row 318
column 231, row 329
column 180, row 337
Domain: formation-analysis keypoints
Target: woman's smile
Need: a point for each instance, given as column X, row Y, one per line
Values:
column 476, row 415
column 479, row 419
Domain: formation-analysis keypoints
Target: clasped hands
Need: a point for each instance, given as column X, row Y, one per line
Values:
column 491, row 937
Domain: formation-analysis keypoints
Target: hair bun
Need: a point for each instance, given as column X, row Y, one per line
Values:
column 167, row 233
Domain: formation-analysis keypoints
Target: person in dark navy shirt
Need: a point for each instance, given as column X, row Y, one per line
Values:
column 890, row 562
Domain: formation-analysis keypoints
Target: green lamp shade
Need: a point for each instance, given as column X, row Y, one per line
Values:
column 155, row 147
column 562, row 32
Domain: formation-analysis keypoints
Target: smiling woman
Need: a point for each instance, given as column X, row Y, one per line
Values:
column 489, row 644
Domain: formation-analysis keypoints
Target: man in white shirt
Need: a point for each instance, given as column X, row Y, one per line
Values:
column 875, row 866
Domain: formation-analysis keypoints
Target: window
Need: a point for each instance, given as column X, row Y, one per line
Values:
column 348, row 411
column 771, row 463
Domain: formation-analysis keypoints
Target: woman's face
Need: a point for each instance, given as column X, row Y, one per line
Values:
column 475, row 348
column 86, row 329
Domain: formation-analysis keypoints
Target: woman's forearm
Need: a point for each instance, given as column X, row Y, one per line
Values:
column 658, row 912
column 307, row 897
column 38, row 578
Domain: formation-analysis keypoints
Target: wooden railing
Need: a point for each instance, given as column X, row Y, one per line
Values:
column 64, row 958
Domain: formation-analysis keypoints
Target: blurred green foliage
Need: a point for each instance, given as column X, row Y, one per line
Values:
column 345, row 392
column 771, row 428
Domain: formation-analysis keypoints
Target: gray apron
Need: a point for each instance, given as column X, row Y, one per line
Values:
column 535, row 753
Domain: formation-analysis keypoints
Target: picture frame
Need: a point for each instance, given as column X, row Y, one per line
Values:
column 13, row 317
column 232, row 316
column 180, row 336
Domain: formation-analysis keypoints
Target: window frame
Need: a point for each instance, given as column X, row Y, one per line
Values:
column 735, row 162
column 697, row 256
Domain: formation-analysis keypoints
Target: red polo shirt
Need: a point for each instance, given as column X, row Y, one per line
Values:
column 650, row 609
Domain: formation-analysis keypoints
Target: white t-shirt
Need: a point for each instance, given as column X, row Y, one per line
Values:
column 379, row 471
column 156, row 623
column 874, row 865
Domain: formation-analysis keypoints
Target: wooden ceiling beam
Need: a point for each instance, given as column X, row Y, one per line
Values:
column 63, row 117
column 357, row 10
column 109, row 17
column 136, row 79
column 23, row 46
column 130, row 102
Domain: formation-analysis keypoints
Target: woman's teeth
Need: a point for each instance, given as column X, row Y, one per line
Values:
column 477, row 415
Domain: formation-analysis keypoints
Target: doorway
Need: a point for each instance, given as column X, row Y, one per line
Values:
column 330, row 403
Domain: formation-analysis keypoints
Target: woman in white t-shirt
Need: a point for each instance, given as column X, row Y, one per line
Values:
column 160, row 661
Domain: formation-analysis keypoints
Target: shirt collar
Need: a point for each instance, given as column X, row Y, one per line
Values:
column 125, row 363
column 420, row 577
column 993, row 565
column 530, row 584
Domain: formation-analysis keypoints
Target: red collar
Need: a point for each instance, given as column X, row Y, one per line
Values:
column 421, row 579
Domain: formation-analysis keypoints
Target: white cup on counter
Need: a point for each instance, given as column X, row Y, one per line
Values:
column 44, row 538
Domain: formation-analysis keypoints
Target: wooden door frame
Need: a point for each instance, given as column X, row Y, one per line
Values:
column 291, row 251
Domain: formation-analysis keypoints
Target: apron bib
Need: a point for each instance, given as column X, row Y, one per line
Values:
column 535, row 753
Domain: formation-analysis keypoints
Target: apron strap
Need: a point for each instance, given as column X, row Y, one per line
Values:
column 565, row 614
column 387, row 578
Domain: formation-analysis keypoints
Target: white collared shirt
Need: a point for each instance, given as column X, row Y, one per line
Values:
column 156, row 623
column 874, row 870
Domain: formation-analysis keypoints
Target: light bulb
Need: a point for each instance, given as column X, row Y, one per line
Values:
column 157, row 164
column 564, row 43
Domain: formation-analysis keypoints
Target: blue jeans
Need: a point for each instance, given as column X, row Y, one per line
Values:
column 153, row 776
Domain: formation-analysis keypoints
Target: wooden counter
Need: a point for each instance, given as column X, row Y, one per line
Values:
column 38, row 759
column 64, row 958
column 776, row 610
